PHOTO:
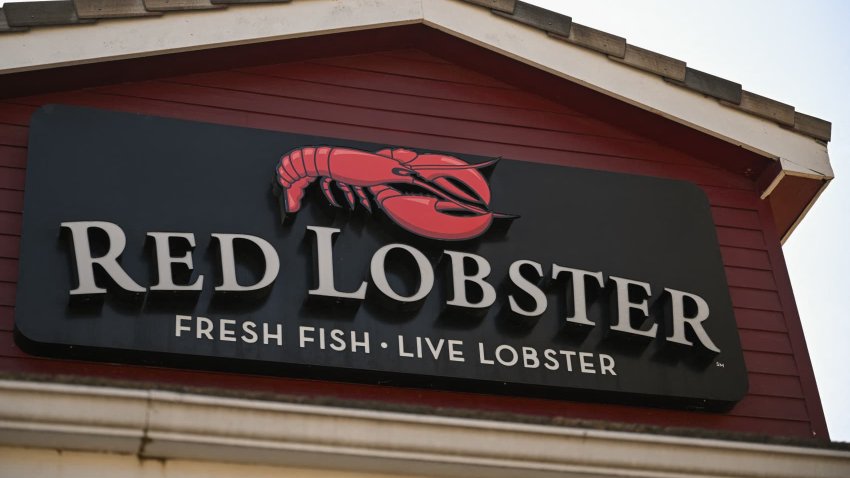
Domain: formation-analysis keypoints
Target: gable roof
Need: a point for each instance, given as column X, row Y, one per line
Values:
column 532, row 35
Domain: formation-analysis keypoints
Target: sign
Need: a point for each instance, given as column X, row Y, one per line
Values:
column 182, row 244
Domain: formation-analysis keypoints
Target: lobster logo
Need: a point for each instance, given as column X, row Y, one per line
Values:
column 431, row 195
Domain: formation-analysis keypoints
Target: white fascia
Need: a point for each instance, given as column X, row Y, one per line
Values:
column 48, row 47
column 106, row 40
column 168, row 426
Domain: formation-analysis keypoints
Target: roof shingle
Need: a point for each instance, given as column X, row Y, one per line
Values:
column 112, row 9
column 4, row 25
column 538, row 17
column 36, row 14
column 653, row 62
column 174, row 5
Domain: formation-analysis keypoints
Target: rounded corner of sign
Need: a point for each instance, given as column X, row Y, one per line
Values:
column 696, row 191
column 27, row 340
column 44, row 110
column 739, row 390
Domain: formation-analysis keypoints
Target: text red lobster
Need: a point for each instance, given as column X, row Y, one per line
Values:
column 451, row 201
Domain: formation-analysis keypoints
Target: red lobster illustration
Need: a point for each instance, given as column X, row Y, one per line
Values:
column 431, row 195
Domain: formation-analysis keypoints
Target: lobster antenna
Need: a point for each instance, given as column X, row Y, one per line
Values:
column 457, row 166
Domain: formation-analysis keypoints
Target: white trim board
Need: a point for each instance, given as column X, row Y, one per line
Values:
column 152, row 424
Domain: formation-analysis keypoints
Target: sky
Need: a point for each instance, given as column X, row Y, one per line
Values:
column 797, row 53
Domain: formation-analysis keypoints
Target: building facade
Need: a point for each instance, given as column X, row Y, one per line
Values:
column 478, row 79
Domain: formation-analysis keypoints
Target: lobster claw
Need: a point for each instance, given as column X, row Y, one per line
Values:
column 450, row 174
column 429, row 216
column 454, row 176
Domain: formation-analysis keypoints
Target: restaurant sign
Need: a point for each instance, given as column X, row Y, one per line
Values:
column 192, row 245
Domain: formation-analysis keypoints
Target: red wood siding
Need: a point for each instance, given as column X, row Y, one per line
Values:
column 412, row 98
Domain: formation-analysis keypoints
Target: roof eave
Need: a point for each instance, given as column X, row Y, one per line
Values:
column 533, row 36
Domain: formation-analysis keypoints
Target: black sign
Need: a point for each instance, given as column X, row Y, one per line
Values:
column 152, row 240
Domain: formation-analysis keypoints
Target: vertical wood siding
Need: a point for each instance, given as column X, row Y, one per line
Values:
column 409, row 97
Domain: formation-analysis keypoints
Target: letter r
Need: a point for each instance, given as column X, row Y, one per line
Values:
column 109, row 261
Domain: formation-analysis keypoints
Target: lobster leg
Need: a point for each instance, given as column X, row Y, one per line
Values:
column 349, row 196
column 364, row 200
column 326, row 188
